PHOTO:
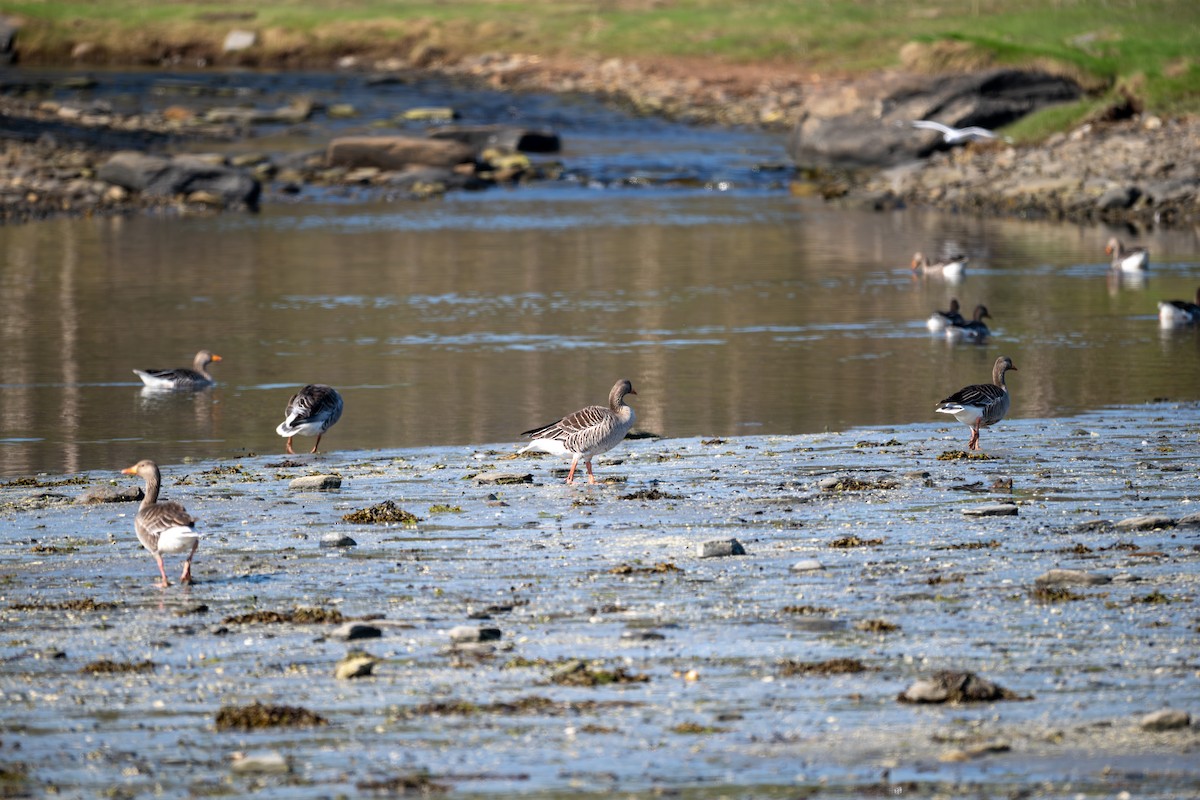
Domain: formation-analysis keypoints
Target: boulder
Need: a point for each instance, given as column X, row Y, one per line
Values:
column 500, row 137
column 849, row 128
column 395, row 152
column 164, row 176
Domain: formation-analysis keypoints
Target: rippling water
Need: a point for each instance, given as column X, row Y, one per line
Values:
column 733, row 307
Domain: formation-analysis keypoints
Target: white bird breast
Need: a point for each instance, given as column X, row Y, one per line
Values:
column 177, row 538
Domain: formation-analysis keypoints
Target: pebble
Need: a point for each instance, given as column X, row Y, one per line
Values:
column 1189, row 519
column 271, row 761
column 807, row 565
column 109, row 494
column 355, row 665
column 336, row 539
column 641, row 636
column 718, row 548
column 1146, row 522
column 1056, row 577
column 316, row 483
column 991, row 510
column 470, row 633
column 1168, row 719
column 356, row 630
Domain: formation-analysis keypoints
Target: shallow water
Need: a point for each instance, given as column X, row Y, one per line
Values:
column 669, row 255
column 541, row 557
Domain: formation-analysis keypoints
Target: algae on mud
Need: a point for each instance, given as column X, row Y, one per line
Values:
column 713, row 713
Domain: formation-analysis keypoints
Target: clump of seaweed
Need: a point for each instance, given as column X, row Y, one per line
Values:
column 805, row 610
column 82, row 604
column 834, row 666
column 651, row 494
column 259, row 715
column 659, row 568
column 855, row 541
column 1054, row 594
column 876, row 626
column 849, row 484
column 106, row 667
column 532, row 704
column 299, row 616
column 959, row 455
column 694, row 728
column 580, row 673
column 413, row 783
column 381, row 514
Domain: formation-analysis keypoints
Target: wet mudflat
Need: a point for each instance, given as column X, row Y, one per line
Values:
column 551, row 640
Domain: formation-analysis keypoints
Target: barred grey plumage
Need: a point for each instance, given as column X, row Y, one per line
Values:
column 182, row 378
column 163, row 527
column 311, row 411
column 587, row 432
column 982, row 404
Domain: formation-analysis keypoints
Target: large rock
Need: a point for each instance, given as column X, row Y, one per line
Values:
column 164, row 176
column 850, row 128
column 500, row 137
column 396, row 152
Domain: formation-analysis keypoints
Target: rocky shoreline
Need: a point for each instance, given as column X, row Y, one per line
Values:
column 1135, row 170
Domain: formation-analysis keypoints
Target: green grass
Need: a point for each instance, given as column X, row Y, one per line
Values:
column 1149, row 49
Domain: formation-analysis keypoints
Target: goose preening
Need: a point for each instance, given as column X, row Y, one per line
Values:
column 587, row 432
column 181, row 378
column 940, row 320
column 973, row 331
column 980, row 405
column 163, row 527
column 1127, row 259
column 951, row 268
column 954, row 136
column 311, row 411
column 1179, row 313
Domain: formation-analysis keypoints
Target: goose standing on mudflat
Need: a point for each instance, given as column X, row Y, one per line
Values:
column 940, row 320
column 980, row 405
column 973, row 331
column 163, row 527
column 311, row 411
column 182, row 378
column 1127, row 259
column 1177, row 313
column 587, row 432
column 952, row 268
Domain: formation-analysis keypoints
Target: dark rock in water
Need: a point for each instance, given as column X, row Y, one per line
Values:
column 470, row 633
column 1168, row 719
column 1058, row 577
column 502, row 478
column 500, row 137
column 992, row 510
column 317, row 483
column 356, row 630
column 164, row 176
column 395, row 152
column 1146, row 522
column 1188, row 520
column 109, row 494
column 855, row 133
column 335, row 539
column 718, row 548
column 1120, row 197
column 356, row 664
column 956, row 687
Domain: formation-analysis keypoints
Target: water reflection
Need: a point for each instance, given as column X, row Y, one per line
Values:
column 732, row 314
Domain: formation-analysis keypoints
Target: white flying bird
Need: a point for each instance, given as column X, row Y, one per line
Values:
column 954, row 135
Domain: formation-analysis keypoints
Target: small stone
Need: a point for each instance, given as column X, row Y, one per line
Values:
column 1147, row 522
column 341, row 111
column 271, row 761
column 641, row 636
column 429, row 114
column 950, row 686
column 356, row 630
column 470, row 633
column 1056, row 577
column 109, row 494
column 1189, row 520
column 807, row 565
column 316, row 483
column 1168, row 719
column 237, row 40
column 355, row 665
column 502, row 478
column 336, row 539
column 991, row 510
column 203, row 198
column 718, row 548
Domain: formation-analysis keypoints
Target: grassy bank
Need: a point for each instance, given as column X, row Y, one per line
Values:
column 1145, row 49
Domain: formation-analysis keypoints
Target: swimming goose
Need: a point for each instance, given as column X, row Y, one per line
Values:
column 980, row 405
column 973, row 331
column 195, row 378
column 163, row 527
column 1132, row 259
column 311, row 411
column 951, row 268
column 940, row 320
column 587, row 432
column 1175, row 313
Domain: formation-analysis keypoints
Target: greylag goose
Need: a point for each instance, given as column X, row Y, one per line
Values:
column 973, row 331
column 163, row 527
column 182, row 378
column 980, row 405
column 311, row 411
column 940, row 320
column 1177, row 313
column 587, row 432
column 951, row 268
column 1127, row 259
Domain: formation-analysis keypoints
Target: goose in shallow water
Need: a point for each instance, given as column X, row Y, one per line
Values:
column 973, row 331
column 951, row 268
column 311, row 411
column 163, row 527
column 1178, row 313
column 940, row 320
column 1127, row 259
column 587, row 432
column 182, row 378
column 980, row 405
